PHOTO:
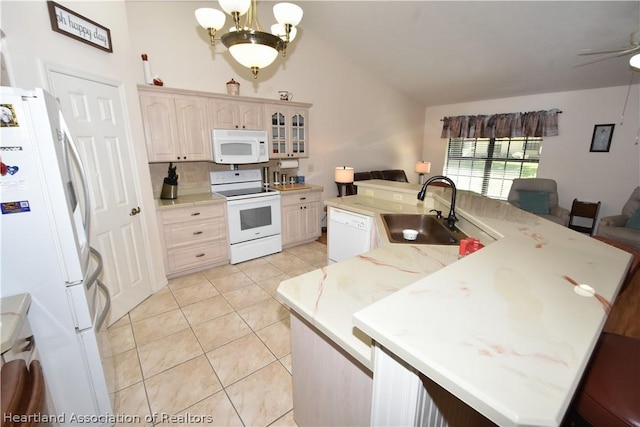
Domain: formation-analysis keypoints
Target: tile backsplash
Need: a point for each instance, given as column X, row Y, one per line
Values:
column 193, row 177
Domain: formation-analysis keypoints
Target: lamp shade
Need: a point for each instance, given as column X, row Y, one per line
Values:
column 287, row 13
column 210, row 18
column 253, row 54
column 230, row 6
column 343, row 175
column 635, row 61
column 423, row 167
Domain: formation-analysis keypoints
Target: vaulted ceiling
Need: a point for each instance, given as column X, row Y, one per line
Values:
column 442, row 52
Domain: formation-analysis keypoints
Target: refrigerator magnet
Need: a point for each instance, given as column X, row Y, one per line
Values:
column 8, row 116
column 15, row 207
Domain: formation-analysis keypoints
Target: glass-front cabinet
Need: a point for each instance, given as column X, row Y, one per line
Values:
column 288, row 131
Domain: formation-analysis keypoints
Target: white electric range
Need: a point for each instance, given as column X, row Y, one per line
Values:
column 253, row 213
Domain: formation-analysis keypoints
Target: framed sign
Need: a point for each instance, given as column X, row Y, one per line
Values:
column 601, row 139
column 71, row 24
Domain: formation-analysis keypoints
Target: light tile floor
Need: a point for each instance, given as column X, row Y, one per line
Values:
column 213, row 344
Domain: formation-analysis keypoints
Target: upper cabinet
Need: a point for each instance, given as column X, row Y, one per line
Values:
column 177, row 123
column 176, row 127
column 288, row 129
column 229, row 114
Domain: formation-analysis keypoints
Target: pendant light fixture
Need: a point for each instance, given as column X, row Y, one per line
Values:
column 247, row 42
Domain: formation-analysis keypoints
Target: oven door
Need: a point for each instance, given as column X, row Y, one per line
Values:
column 253, row 218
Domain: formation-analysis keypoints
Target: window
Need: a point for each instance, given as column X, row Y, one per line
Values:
column 488, row 165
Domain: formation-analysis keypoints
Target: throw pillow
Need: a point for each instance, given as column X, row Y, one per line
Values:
column 634, row 220
column 536, row 202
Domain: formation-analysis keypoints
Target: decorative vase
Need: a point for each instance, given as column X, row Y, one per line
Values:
column 233, row 87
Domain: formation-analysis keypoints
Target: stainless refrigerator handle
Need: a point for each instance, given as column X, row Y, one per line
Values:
column 94, row 276
column 99, row 320
column 85, row 183
column 107, row 305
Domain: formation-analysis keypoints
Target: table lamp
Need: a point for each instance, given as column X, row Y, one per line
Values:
column 422, row 167
column 343, row 176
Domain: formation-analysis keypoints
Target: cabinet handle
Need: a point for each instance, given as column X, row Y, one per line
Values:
column 303, row 198
column 195, row 214
column 197, row 232
column 30, row 343
column 199, row 255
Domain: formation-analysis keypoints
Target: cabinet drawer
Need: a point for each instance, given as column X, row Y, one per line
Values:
column 194, row 231
column 294, row 199
column 193, row 213
column 195, row 256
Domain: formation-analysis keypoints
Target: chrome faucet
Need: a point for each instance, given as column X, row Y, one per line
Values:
column 451, row 218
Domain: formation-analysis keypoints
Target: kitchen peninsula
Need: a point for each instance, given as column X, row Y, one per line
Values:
column 505, row 332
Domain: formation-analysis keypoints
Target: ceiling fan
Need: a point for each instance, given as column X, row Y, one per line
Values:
column 634, row 47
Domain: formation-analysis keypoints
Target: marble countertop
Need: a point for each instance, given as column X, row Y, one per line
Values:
column 14, row 313
column 503, row 329
column 186, row 200
column 203, row 197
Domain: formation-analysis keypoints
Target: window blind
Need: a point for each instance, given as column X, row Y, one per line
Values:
column 488, row 165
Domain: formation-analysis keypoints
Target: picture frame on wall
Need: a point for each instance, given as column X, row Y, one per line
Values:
column 601, row 139
column 72, row 24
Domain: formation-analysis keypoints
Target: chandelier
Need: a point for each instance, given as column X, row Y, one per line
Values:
column 247, row 42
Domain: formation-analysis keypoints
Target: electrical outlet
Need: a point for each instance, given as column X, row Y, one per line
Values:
column 397, row 197
column 310, row 167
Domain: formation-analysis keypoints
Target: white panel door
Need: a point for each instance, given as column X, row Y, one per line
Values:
column 94, row 113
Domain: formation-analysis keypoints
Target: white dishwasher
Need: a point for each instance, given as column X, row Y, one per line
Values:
column 349, row 234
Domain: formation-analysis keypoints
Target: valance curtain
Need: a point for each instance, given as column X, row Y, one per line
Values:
column 509, row 125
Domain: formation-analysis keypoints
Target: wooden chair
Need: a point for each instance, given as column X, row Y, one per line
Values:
column 586, row 213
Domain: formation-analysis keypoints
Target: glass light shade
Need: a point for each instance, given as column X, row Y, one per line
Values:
column 230, row 6
column 278, row 30
column 210, row 18
column 287, row 13
column 423, row 167
column 253, row 55
column 635, row 61
column 343, row 175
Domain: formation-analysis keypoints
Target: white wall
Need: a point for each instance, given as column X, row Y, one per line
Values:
column 356, row 120
column 608, row 177
column 29, row 44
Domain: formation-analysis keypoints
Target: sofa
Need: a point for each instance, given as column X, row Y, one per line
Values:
column 388, row 175
column 619, row 228
column 541, row 198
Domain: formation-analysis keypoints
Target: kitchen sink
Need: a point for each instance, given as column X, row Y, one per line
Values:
column 431, row 229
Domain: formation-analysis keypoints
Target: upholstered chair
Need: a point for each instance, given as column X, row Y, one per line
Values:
column 624, row 228
column 538, row 196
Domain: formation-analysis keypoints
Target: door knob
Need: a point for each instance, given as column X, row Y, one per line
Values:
column 135, row 211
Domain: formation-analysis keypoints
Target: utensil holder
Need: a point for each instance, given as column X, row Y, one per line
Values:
column 169, row 191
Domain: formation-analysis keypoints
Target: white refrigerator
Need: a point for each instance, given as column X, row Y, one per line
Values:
column 44, row 229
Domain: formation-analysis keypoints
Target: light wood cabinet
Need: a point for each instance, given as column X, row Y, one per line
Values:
column 194, row 238
column 330, row 387
column 177, row 123
column 300, row 217
column 229, row 114
column 176, row 127
column 288, row 129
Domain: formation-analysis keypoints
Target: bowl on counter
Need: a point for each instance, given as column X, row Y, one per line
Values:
column 410, row 234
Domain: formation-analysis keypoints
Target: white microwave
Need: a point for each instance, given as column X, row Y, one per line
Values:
column 237, row 146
